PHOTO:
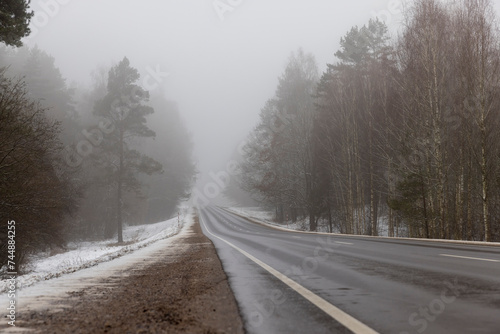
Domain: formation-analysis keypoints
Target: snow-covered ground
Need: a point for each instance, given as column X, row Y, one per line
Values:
column 267, row 217
column 83, row 255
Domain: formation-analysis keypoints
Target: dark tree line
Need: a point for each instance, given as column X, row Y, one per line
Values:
column 35, row 191
column 401, row 134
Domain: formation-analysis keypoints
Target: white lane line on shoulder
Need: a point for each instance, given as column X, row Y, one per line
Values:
column 296, row 237
column 343, row 243
column 351, row 323
column 469, row 258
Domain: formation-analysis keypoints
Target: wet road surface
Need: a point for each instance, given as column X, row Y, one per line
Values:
column 289, row 282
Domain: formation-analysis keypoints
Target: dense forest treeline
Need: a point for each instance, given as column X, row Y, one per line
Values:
column 78, row 163
column 398, row 133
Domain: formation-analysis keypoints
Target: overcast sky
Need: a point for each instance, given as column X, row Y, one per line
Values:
column 222, row 66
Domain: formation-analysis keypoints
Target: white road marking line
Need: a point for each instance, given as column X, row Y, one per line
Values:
column 343, row 243
column 296, row 237
column 351, row 323
column 470, row 258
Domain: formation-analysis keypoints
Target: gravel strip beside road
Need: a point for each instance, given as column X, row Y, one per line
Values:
column 186, row 293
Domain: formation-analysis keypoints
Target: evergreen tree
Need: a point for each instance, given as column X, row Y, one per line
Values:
column 278, row 163
column 124, row 115
column 352, row 106
column 14, row 20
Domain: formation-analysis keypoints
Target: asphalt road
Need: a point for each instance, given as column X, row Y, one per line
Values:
column 289, row 282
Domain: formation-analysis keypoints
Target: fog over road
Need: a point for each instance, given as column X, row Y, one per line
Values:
column 364, row 285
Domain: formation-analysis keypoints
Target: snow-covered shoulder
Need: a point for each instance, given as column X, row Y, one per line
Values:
column 88, row 254
column 267, row 217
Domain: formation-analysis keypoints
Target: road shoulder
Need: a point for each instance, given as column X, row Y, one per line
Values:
column 185, row 290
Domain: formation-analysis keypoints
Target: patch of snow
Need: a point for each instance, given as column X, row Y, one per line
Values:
column 88, row 254
column 53, row 294
column 267, row 217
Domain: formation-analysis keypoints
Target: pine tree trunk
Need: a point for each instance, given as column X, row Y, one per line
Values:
column 119, row 192
column 458, row 231
column 391, row 194
column 312, row 221
column 330, row 221
column 426, row 220
column 373, row 205
column 484, row 183
column 469, row 203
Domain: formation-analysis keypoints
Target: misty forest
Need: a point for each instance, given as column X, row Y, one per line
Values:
column 401, row 132
column 78, row 163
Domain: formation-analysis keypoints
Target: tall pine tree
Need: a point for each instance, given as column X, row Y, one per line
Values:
column 124, row 113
